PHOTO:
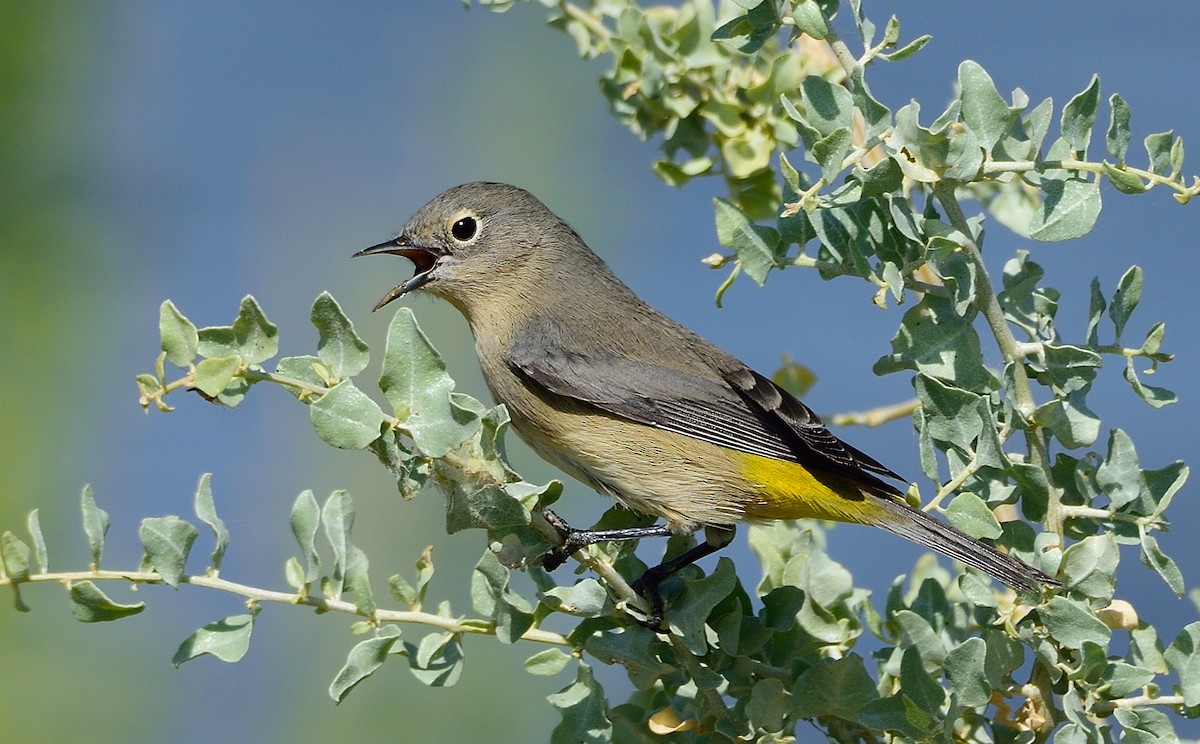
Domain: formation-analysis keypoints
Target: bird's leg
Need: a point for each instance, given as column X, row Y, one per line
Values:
column 573, row 539
column 647, row 586
column 715, row 538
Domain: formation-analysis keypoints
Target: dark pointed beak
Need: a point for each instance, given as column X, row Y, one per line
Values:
column 423, row 260
column 388, row 246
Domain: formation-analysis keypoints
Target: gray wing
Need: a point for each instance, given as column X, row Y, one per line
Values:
column 740, row 409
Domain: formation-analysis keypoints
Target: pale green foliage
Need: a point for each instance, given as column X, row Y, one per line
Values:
column 227, row 639
column 851, row 189
column 167, row 541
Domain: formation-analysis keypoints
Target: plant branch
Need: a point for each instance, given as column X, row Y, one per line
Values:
column 1072, row 511
column 805, row 261
column 593, row 24
column 876, row 416
column 1174, row 181
column 989, row 306
column 954, row 483
column 844, row 56
column 1137, row 702
column 453, row 625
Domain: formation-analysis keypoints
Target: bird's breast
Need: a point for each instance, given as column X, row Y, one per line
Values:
column 688, row 482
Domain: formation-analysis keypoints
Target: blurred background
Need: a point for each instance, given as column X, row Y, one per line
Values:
column 204, row 151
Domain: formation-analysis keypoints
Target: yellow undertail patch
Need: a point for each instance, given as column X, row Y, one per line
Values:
column 788, row 490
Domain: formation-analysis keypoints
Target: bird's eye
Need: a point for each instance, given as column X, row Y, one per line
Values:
column 464, row 229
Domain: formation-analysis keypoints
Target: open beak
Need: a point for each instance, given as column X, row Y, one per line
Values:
column 423, row 260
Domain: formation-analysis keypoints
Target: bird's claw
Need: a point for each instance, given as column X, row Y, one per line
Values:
column 647, row 588
column 571, row 542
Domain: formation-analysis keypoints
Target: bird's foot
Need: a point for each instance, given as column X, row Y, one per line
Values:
column 647, row 588
column 571, row 541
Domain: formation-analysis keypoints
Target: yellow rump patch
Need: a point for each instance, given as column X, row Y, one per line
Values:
column 787, row 490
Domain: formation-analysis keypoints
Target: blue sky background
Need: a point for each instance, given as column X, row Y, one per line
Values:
column 201, row 152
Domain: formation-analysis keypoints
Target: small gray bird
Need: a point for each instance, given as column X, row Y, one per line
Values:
column 625, row 399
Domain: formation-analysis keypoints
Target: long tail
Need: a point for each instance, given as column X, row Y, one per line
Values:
column 935, row 534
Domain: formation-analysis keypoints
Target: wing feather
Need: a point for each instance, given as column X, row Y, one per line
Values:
column 740, row 409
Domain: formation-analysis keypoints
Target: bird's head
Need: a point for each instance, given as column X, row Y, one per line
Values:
column 470, row 242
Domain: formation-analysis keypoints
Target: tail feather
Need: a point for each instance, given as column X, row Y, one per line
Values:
column 924, row 529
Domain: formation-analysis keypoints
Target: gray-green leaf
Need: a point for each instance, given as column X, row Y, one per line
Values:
column 1126, row 298
column 482, row 507
column 758, row 248
column 90, row 605
column 1117, row 138
column 363, row 660
column 1158, row 150
column 206, row 511
column 338, row 518
column 345, row 417
column 1123, row 679
column 302, row 368
column 1080, row 114
column 1089, row 566
column 438, row 660
column 970, row 514
column 966, row 672
column 1154, row 557
column 358, row 583
column 167, row 542
column 635, row 650
column 339, row 347
column 1123, row 180
column 1072, row 624
column 34, row 525
column 1069, row 209
column 983, row 109
column 213, row 375
column 179, row 338
column 14, row 556
column 584, row 711
column 415, row 382
column 829, row 152
column 690, row 612
column 256, row 337
column 1156, row 396
column 1120, row 475
column 836, row 688
column 547, row 663
column 95, row 525
column 227, row 639
column 827, row 107
column 908, row 49
column 1183, row 655
column 585, row 598
column 305, row 520
column 492, row 597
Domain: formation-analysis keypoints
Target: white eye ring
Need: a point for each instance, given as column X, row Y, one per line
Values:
column 464, row 227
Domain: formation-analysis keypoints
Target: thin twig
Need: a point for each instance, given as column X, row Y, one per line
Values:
column 994, row 168
column 1139, row 701
column 590, row 22
column 451, row 624
column 844, row 56
column 876, row 416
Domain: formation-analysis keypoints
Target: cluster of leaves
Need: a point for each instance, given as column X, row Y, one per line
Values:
column 726, row 91
column 879, row 199
column 727, row 97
